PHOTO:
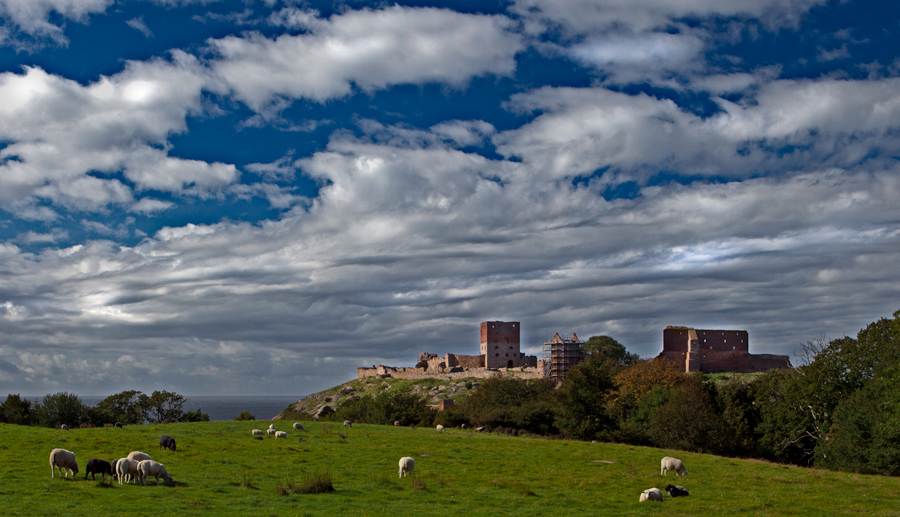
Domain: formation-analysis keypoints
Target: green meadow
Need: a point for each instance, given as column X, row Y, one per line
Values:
column 219, row 468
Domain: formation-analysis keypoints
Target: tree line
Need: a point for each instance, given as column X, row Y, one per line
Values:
column 838, row 409
column 127, row 407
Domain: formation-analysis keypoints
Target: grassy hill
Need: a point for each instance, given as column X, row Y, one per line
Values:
column 432, row 389
column 219, row 469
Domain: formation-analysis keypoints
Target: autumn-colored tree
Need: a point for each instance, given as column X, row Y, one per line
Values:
column 634, row 383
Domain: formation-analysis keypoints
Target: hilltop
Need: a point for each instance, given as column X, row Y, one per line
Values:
column 432, row 389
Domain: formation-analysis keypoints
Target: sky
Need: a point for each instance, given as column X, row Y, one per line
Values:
column 252, row 197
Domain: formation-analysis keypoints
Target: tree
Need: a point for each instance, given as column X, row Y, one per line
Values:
column 636, row 381
column 512, row 403
column 62, row 408
column 195, row 416
column 245, row 415
column 127, row 407
column 582, row 408
column 16, row 410
column 164, row 406
column 610, row 348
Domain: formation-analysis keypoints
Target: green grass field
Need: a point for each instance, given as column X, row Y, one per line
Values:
column 219, row 469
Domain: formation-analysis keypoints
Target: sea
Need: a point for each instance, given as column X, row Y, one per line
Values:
column 221, row 408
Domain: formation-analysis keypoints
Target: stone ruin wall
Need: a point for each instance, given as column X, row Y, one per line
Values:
column 420, row 373
column 719, row 351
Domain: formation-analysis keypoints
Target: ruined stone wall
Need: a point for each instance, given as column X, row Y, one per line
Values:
column 437, row 363
column 717, row 351
column 466, row 361
column 419, row 373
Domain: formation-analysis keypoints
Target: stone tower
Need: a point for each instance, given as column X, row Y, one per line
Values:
column 500, row 344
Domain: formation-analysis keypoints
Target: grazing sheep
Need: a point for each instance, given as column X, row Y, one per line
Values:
column 348, row 423
column 463, row 426
column 120, row 424
column 407, row 465
column 167, row 441
column 257, row 437
column 127, row 470
column 112, row 466
column 63, row 459
column 676, row 490
column 651, row 494
column 271, row 432
column 138, row 456
column 298, row 426
column 271, row 426
column 440, row 428
column 149, row 468
column 280, row 434
column 673, row 464
column 257, row 432
column 64, row 427
column 98, row 466
column 397, row 423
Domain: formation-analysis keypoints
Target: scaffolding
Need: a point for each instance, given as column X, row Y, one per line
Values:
column 561, row 355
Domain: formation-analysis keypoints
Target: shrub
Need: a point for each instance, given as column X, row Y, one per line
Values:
column 312, row 483
column 245, row 415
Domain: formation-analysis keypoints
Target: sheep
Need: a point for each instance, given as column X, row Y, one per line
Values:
column 440, row 428
column 271, row 432
column 280, row 434
column 271, row 426
column 149, row 468
column 407, row 465
column 98, row 466
column 120, row 424
column 651, row 494
column 167, row 441
column 257, row 432
column 676, row 491
column 673, row 464
column 138, row 456
column 348, row 423
column 112, row 465
column 63, row 459
column 397, row 423
column 298, row 426
column 127, row 470
column 64, row 427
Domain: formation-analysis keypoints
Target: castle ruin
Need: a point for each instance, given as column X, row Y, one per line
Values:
column 712, row 351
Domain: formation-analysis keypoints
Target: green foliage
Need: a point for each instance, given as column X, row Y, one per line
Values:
column 163, row 406
column 61, row 408
column 511, row 403
column 386, row 408
column 313, row 483
column 609, row 348
column 195, row 416
column 245, row 415
column 16, row 410
column 582, row 398
column 127, row 407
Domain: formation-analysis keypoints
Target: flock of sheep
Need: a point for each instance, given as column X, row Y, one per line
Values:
column 675, row 465
column 136, row 467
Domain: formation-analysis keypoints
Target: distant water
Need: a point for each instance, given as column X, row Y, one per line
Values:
column 225, row 408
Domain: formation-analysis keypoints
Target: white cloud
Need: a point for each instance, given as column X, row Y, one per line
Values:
column 150, row 206
column 368, row 49
column 139, row 25
column 64, row 137
column 33, row 17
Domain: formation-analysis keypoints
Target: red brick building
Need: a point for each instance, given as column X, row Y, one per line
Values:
column 710, row 351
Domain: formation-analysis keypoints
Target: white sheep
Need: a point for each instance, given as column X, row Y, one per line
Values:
column 64, row 427
column 63, row 459
column 257, row 432
column 651, row 494
column 280, row 434
column 298, row 426
column 673, row 464
column 149, row 468
column 271, row 432
column 138, row 456
column 348, row 423
column 440, row 428
column 271, row 426
column 407, row 465
column 127, row 470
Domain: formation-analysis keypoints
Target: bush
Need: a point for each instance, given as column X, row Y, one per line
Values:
column 245, row 415
column 62, row 408
column 314, row 483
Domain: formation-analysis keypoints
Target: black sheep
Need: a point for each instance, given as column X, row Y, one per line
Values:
column 98, row 466
column 676, row 490
column 167, row 441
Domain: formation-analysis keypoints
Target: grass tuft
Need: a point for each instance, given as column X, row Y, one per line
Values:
column 419, row 484
column 314, row 483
